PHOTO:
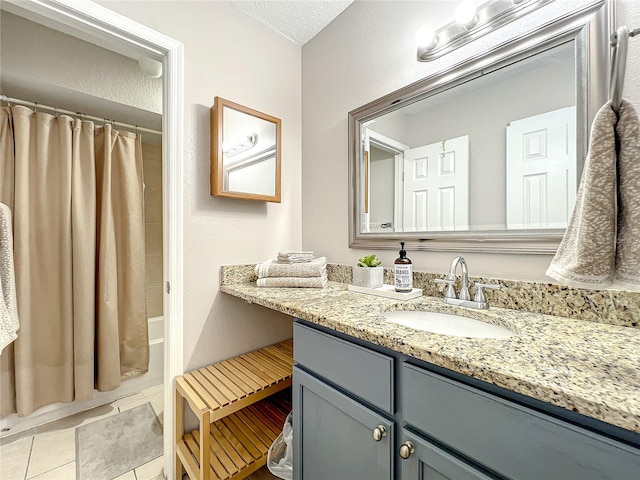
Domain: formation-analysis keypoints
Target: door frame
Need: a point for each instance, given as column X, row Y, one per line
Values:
column 392, row 146
column 115, row 31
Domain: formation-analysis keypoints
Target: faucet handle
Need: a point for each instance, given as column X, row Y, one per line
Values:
column 464, row 293
column 479, row 296
column 450, row 293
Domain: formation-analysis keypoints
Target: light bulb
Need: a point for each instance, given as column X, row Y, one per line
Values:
column 426, row 37
column 465, row 13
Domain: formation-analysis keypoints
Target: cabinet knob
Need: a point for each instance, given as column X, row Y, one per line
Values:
column 379, row 432
column 406, row 449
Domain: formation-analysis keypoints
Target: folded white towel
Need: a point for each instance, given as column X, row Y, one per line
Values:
column 601, row 243
column 293, row 282
column 295, row 257
column 9, row 323
column 315, row 268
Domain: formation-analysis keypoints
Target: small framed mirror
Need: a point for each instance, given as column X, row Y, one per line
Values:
column 245, row 152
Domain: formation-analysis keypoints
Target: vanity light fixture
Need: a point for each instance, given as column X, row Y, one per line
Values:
column 471, row 22
column 426, row 38
column 466, row 14
column 240, row 145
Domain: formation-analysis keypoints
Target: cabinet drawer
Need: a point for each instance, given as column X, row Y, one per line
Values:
column 511, row 439
column 361, row 371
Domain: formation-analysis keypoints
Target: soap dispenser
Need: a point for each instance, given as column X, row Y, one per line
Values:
column 403, row 272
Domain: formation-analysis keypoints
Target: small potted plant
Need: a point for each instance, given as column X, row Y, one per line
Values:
column 369, row 272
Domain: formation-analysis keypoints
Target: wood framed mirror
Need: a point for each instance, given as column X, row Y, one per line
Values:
column 245, row 152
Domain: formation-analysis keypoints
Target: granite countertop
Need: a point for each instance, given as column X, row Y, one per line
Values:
column 586, row 367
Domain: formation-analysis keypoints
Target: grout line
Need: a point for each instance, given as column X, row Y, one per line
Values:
column 26, row 470
column 59, row 466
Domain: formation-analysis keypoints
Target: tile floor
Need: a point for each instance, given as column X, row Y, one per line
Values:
column 50, row 453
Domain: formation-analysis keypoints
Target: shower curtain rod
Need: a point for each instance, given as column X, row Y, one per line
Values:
column 36, row 105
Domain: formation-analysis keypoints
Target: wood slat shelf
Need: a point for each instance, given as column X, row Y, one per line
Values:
column 235, row 430
column 239, row 442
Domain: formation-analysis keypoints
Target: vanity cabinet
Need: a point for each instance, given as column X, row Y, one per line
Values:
column 337, row 435
column 426, row 461
column 437, row 426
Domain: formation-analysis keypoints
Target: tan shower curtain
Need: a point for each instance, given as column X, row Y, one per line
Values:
column 121, row 330
column 81, row 299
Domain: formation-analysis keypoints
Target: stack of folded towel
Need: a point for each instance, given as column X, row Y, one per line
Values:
column 293, row 269
column 295, row 257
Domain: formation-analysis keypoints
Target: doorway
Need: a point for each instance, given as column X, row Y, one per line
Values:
column 110, row 30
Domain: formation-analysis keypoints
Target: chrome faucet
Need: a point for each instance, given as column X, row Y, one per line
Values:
column 463, row 299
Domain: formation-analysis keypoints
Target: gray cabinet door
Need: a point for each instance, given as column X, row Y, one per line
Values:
column 428, row 462
column 333, row 435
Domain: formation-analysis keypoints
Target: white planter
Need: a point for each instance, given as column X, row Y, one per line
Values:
column 371, row 277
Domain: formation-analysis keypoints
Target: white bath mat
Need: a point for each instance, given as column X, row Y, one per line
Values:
column 107, row 448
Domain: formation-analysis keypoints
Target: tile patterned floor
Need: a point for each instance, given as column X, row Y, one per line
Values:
column 50, row 453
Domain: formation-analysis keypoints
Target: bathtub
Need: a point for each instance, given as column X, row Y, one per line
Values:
column 13, row 424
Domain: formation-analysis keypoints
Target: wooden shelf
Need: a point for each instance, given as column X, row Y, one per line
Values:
column 239, row 442
column 239, row 410
column 230, row 385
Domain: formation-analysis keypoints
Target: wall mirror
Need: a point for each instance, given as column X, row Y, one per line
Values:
column 486, row 156
column 245, row 152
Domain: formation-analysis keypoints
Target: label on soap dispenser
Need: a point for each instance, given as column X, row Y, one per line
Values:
column 404, row 276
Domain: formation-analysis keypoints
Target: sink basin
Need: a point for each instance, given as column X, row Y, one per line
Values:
column 447, row 324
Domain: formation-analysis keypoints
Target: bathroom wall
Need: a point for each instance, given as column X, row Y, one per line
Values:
column 37, row 61
column 346, row 66
column 231, row 55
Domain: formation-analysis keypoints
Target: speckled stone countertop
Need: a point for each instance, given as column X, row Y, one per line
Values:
column 586, row 367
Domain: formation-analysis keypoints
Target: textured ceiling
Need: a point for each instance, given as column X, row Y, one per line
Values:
column 298, row 20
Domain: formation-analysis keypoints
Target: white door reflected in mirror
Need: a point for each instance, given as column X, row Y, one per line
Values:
column 541, row 170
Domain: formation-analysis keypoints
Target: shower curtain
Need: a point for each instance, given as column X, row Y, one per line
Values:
column 76, row 193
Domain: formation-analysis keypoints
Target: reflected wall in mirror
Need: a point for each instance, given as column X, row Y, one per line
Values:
column 245, row 152
column 486, row 156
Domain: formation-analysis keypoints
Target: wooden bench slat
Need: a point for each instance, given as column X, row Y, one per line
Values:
column 228, row 383
column 238, row 374
column 209, row 394
column 279, row 357
column 271, row 364
column 257, row 372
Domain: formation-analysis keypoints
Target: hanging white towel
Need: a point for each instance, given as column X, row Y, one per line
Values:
column 601, row 244
column 9, row 323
